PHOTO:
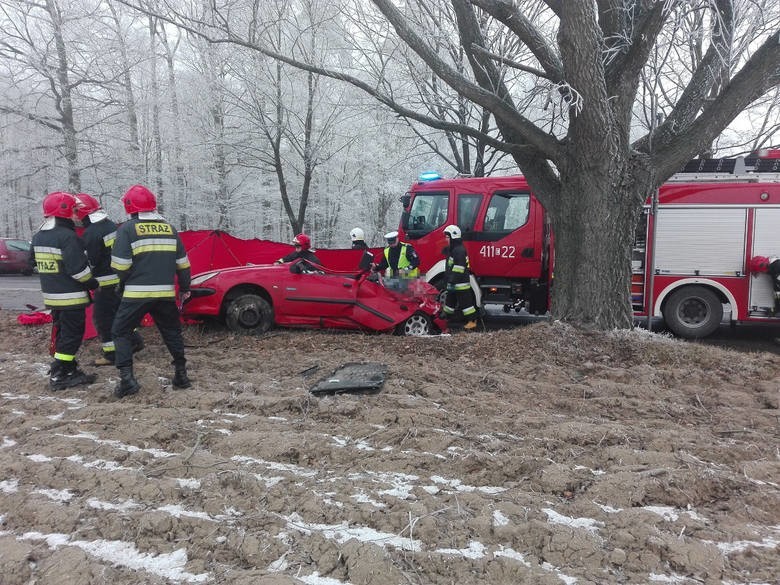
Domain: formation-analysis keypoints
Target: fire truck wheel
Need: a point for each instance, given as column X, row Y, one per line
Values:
column 417, row 324
column 693, row 312
column 249, row 315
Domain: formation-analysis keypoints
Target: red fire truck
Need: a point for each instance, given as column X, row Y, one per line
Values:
column 690, row 262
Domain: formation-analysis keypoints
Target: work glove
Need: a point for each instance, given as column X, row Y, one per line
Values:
column 450, row 287
column 92, row 284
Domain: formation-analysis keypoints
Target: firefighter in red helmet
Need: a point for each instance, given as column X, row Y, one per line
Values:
column 66, row 280
column 98, row 236
column 149, row 258
column 303, row 252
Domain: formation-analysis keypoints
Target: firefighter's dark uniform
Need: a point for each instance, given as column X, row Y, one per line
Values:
column 65, row 280
column 459, row 294
column 148, row 256
column 309, row 258
column 98, row 240
column 367, row 259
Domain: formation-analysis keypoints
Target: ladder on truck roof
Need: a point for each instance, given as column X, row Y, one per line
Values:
column 754, row 168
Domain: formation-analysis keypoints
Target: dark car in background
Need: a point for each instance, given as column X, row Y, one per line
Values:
column 15, row 256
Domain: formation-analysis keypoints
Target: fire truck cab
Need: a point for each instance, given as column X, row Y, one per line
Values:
column 505, row 230
column 690, row 261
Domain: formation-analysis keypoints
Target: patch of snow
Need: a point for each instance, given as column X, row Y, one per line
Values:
column 499, row 519
column 188, row 483
column 122, row 506
column 588, row 524
column 511, row 553
column 457, row 485
column 9, row 486
column 475, row 550
column 125, row 554
column 56, row 495
column 565, row 578
column 608, row 509
column 38, row 458
column 315, row 579
column 342, row 533
column 668, row 513
column 673, row 578
column 7, row 443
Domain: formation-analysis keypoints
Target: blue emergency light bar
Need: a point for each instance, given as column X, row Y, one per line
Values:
column 429, row 176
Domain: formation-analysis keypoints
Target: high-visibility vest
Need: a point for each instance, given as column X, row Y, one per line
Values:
column 403, row 262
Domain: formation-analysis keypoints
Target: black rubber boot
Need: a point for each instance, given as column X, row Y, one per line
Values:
column 127, row 383
column 180, row 379
column 68, row 375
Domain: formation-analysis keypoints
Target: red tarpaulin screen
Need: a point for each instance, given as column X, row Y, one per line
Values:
column 214, row 249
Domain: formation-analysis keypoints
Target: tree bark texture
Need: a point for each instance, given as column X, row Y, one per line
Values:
column 64, row 101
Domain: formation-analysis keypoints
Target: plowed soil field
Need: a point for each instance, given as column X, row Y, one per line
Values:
column 541, row 455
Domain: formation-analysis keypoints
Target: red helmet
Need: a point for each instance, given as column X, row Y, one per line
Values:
column 303, row 241
column 86, row 204
column 759, row 264
column 59, row 204
column 138, row 198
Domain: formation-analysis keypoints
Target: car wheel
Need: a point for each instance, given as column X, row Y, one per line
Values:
column 693, row 312
column 249, row 315
column 417, row 324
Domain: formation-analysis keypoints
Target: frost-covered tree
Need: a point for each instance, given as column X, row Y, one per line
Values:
column 565, row 94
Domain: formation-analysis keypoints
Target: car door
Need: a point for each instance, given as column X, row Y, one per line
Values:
column 317, row 299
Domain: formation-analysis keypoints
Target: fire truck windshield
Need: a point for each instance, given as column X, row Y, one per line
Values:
column 428, row 212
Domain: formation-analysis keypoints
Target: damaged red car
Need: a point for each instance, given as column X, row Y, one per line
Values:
column 252, row 299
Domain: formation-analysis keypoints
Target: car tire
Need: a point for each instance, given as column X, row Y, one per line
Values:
column 693, row 312
column 249, row 315
column 416, row 325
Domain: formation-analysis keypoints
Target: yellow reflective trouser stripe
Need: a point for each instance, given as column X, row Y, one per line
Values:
column 182, row 263
column 462, row 286
column 64, row 357
column 458, row 268
column 108, row 346
column 65, row 302
column 448, row 309
column 469, row 310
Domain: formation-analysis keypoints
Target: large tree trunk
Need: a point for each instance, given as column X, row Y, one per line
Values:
column 180, row 194
column 594, row 234
column 134, row 147
column 64, row 102
column 156, row 133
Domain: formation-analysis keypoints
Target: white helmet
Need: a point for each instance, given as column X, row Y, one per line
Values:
column 356, row 235
column 452, row 231
column 390, row 236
